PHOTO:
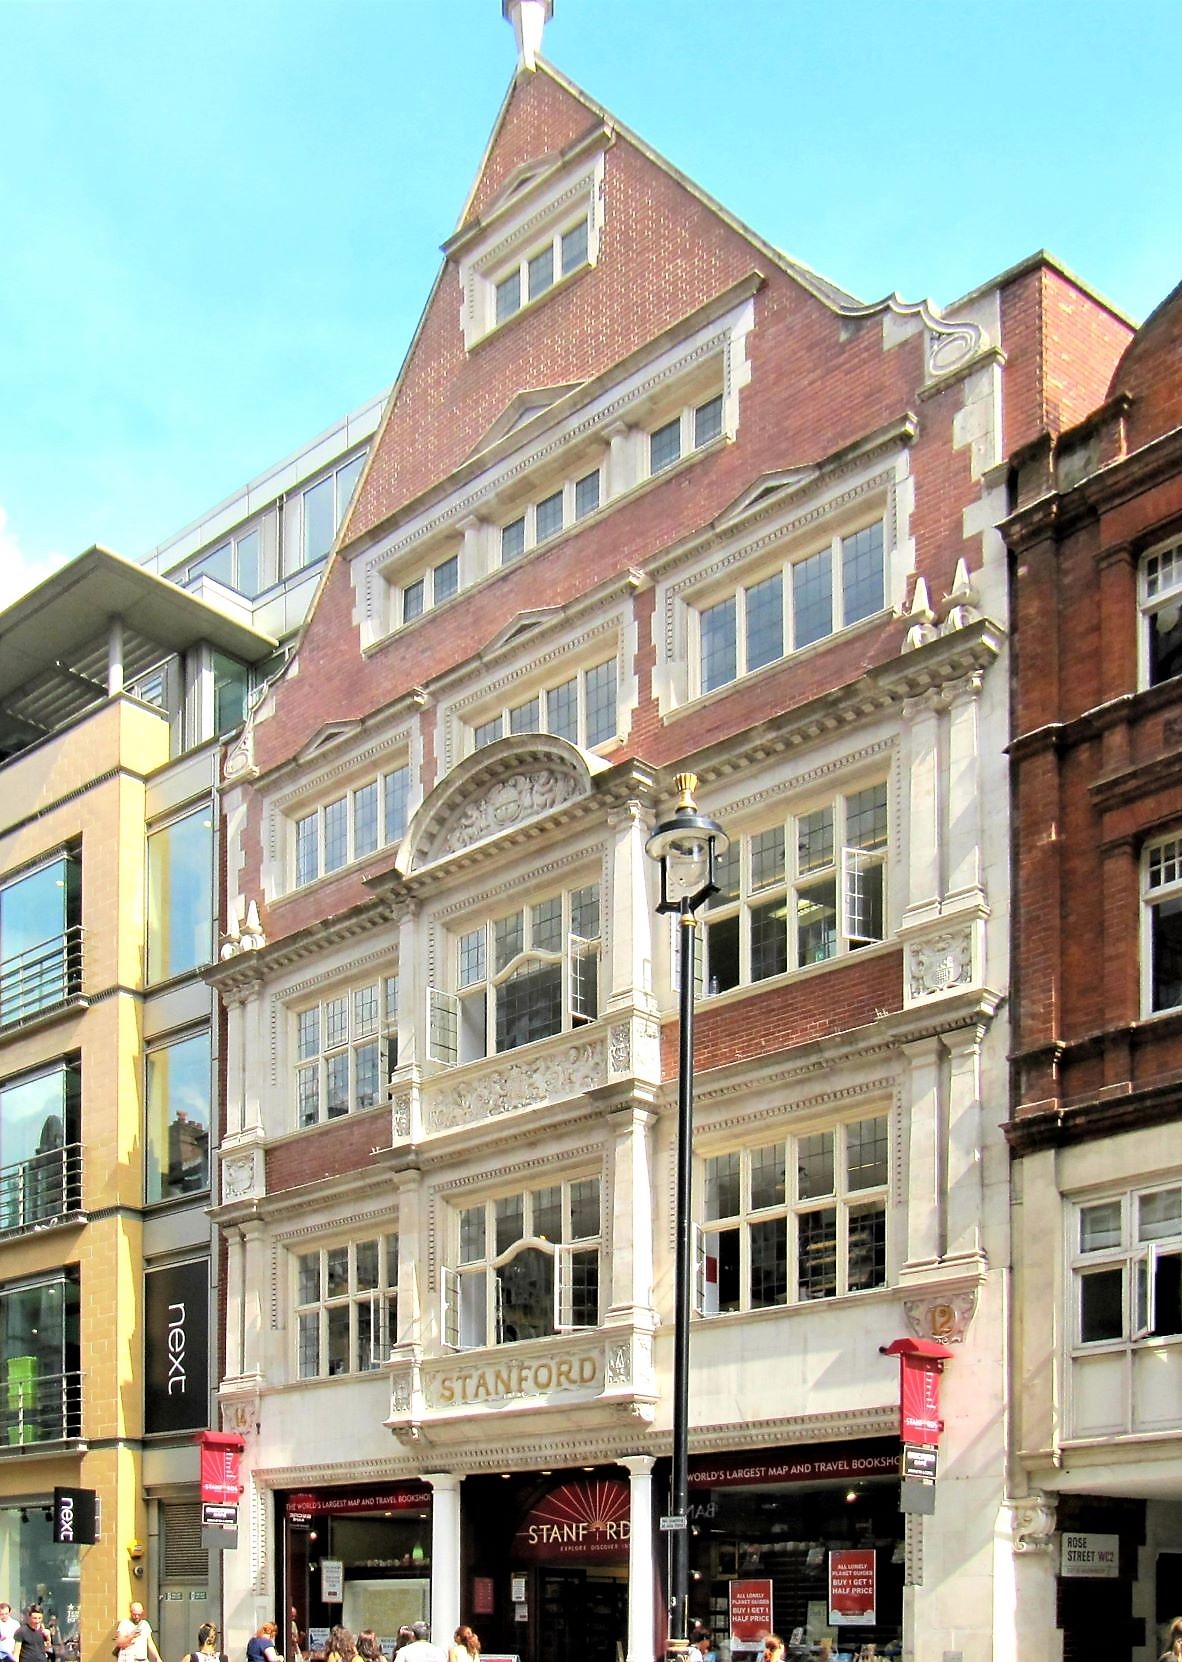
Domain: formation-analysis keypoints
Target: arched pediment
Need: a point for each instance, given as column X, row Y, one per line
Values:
column 507, row 785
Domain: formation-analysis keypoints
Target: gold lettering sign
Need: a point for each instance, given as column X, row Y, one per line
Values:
column 466, row 1387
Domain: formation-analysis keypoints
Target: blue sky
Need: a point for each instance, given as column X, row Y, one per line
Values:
column 219, row 221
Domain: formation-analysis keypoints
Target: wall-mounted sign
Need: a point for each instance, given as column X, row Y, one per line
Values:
column 74, row 1517
column 483, row 1600
column 750, row 1612
column 220, row 1453
column 1094, row 1556
column 332, row 1580
column 810, row 1465
column 465, row 1387
column 577, row 1523
column 919, row 1461
column 851, row 1588
column 216, row 1515
column 400, row 1497
column 176, row 1347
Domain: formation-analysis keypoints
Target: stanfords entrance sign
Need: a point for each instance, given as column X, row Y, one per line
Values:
column 577, row 1523
column 836, row 1463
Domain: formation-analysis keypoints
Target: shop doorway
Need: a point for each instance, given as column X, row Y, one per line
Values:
column 583, row 1613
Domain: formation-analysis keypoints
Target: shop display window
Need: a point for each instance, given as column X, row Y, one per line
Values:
column 36, row 1569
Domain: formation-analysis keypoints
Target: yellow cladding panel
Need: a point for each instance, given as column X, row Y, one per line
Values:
column 110, row 1263
column 108, row 1586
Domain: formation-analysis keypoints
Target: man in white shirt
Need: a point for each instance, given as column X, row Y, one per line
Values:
column 134, row 1638
column 8, row 1627
column 420, row 1648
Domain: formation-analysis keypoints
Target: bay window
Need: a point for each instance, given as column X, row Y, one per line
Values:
column 527, row 1264
column 1128, row 1267
column 524, row 975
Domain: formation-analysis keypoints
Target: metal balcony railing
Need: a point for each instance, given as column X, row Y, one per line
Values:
column 39, row 1190
column 38, row 1407
column 41, row 978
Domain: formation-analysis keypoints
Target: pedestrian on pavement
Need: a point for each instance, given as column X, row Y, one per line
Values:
column 207, row 1646
column 262, row 1647
column 133, row 1636
column 342, row 1647
column 369, row 1646
column 8, row 1627
column 32, row 1638
column 420, row 1648
column 1173, row 1650
column 465, row 1646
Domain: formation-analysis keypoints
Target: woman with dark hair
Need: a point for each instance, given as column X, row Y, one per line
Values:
column 406, row 1635
column 207, row 1646
column 368, row 1647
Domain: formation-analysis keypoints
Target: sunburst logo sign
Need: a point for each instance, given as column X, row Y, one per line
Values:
column 577, row 1522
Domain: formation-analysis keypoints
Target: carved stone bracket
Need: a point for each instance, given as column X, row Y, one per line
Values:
column 946, row 1318
column 1032, row 1522
column 243, row 1175
column 241, row 1406
column 939, row 963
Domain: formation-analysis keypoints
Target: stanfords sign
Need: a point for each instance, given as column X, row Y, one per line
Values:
column 465, row 1387
column 835, row 1464
column 577, row 1523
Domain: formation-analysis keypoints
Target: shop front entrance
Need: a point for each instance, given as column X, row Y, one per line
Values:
column 546, row 1564
column 358, row 1556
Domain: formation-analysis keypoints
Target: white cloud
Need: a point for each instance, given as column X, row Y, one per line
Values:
column 18, row 570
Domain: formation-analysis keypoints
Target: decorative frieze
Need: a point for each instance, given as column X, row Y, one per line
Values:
column 521, row 1082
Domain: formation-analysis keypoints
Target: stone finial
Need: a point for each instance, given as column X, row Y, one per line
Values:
column 923, row 620
column 529, row 18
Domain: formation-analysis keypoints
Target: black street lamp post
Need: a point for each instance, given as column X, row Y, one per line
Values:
column 685, row 849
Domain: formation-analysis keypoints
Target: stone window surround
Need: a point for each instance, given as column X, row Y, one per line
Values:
column 833, row 504
column 614, row 426
column 524, row 220
column 348, row 769
column 806, row 1121
column 532, row 666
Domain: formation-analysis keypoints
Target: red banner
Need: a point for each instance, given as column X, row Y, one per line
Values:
column 220, row 1454
column 577, row 1523
column 920, row 1420
column 751, row 1611
column 851, row 1588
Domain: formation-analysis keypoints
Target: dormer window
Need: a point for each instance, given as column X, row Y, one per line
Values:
column 538, row 270
column 544, row 228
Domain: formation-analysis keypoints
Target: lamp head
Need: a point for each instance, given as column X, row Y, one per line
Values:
column 685, row 848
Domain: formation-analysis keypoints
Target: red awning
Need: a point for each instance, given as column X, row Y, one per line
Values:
column 916, row 1347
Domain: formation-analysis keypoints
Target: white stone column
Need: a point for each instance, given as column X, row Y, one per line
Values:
column 254, row 1281
column 964, row 1184
column 630, row 972
column 445, row 1554
column 235, row 1283
column 631, row 1293
column 620, row 468
column 641, row 1585
column 410, row 1263
column 115, row 656
column 964, row 794
column 1024, row 1595
column 923, row 810
column 924, row 1190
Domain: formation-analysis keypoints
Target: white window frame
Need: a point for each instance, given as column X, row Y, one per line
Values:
column 457, row 1325
column 462, row 1017
column 502, row 714
column 707, row 601
column 688, row 441
column 847, row 869
column 527, row 516
column 1159, row 589
column 527, row 220
column 381, row 1302
column 323, row 1040
column 845, row 1199
column 428, row 580
column 1136, row 1254
column 314, row 818
column 1161, row 887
